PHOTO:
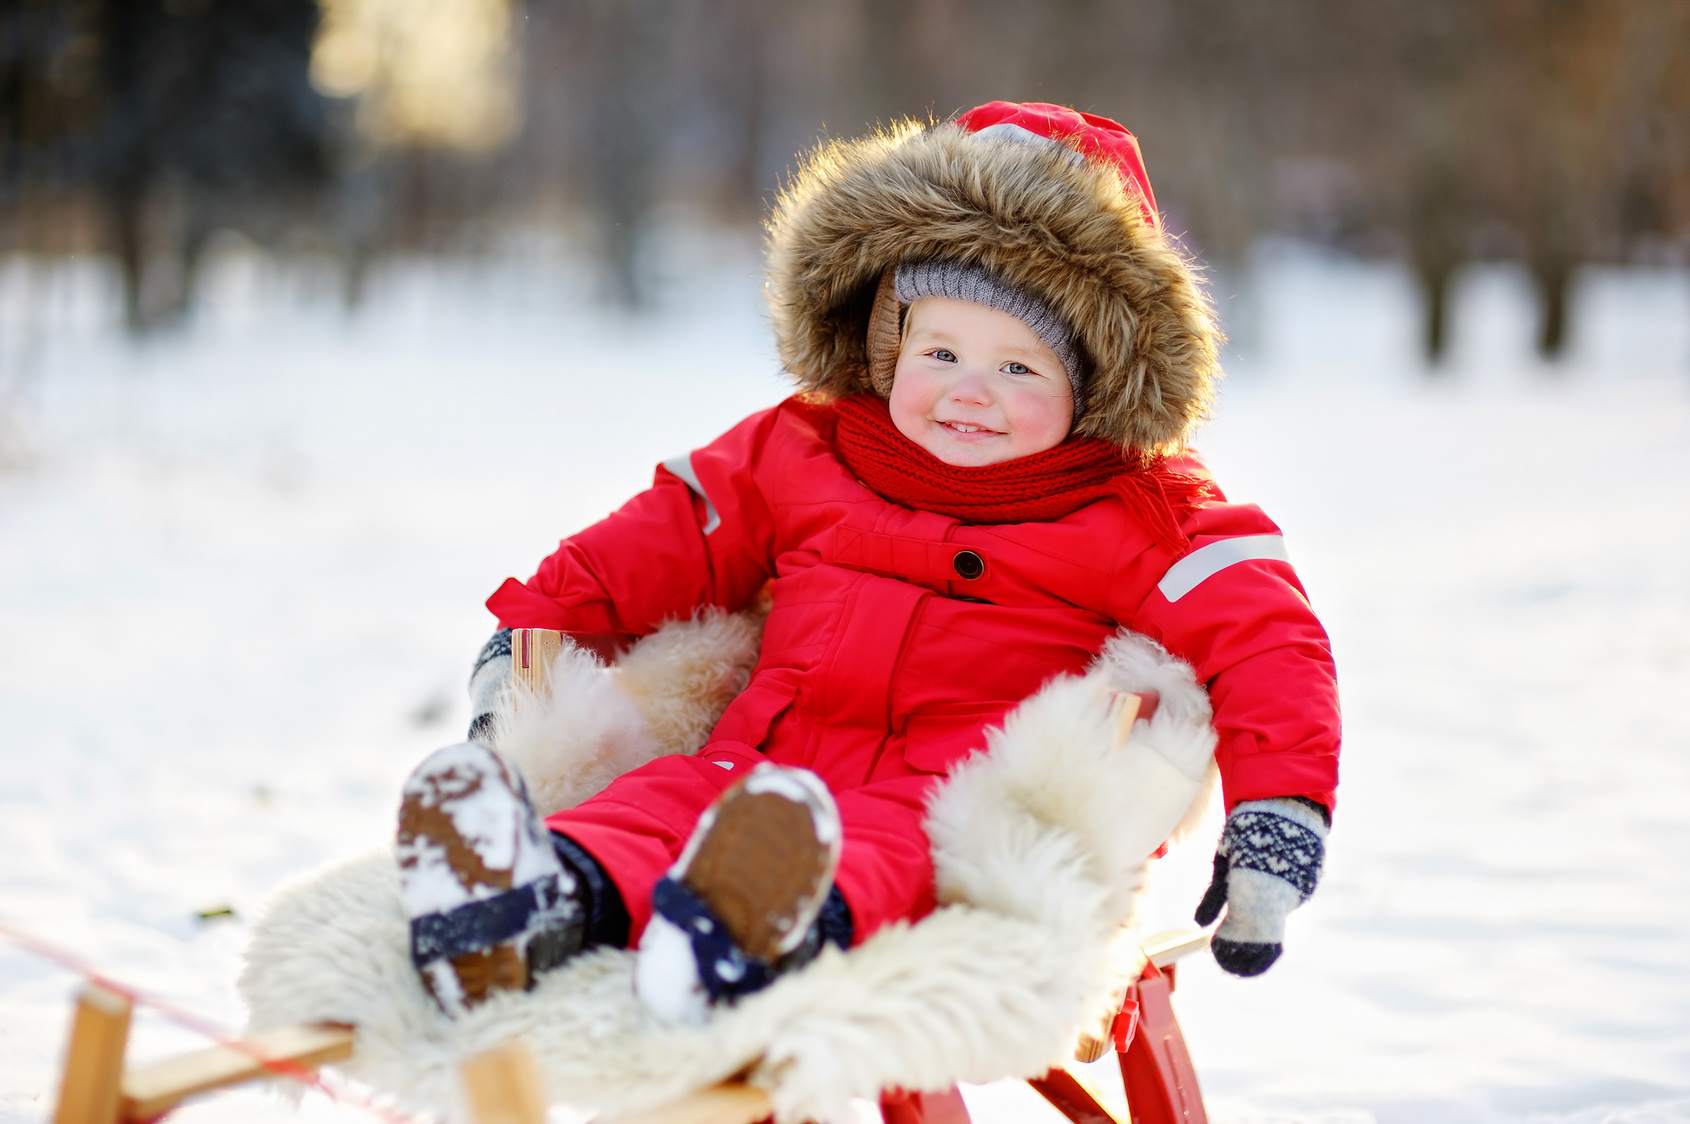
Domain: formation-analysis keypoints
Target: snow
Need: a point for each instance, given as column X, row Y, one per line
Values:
column 241, row 570
column 666, row 975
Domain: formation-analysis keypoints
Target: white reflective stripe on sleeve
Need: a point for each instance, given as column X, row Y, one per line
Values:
column 1207, row 561
column 682, row 466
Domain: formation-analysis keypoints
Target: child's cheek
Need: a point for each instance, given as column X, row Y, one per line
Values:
column 909, row 402
column 1041, row 419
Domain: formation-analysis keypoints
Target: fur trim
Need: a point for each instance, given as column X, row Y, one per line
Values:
column 1063, row 229
column 1055, row 811
column 684, row 675
column 592, row 723
column 1040, row 848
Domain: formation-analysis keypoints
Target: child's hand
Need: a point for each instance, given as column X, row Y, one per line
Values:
column 1266, row 866
column 488, row 681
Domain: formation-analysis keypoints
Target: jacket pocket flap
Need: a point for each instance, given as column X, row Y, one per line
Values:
column 749, row 717
column 935, row 742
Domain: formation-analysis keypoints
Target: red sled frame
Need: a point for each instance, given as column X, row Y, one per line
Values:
column 1156, row 1071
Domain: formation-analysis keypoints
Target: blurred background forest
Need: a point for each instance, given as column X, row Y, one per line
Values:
column 319, row 317
column 1551, row 133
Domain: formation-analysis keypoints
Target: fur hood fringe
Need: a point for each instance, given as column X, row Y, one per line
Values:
column 1063, row 228
column 1040, row 846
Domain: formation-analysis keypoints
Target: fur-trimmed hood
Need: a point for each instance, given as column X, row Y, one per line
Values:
column 1063, row 228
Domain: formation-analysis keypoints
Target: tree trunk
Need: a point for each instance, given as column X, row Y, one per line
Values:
column 1435, row 245
column 1554, row 279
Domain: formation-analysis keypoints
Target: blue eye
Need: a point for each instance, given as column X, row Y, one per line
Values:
column 1017, row 369
column 944, row 356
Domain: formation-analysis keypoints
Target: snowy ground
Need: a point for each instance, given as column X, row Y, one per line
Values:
column 241, row 570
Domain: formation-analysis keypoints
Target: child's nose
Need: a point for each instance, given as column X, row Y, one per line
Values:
column 971, row 386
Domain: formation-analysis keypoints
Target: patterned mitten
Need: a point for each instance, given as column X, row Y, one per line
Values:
column 486, row 683
column 1266, row 866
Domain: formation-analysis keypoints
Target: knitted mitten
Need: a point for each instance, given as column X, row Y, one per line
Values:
column 488, row 680
column 1266, row 866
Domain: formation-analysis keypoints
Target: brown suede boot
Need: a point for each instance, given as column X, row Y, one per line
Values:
column 743, row 894
column 489, row 902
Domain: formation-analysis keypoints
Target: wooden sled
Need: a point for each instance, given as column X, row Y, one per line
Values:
column 97, row 1089
column 502, row 1086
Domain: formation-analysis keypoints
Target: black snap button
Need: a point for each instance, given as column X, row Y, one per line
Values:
column 968, row 565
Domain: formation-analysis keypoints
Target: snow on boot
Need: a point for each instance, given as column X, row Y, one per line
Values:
column 737, row 907
column 490, row 904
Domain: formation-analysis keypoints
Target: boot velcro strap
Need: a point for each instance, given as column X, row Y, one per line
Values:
column 481, row 924
column 725, row 971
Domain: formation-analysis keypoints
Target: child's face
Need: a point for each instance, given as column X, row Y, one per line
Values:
column 975, row 386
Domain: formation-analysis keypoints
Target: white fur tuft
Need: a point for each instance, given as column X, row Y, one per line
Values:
column 590, row 723
column 575, row 735
column 685, row 674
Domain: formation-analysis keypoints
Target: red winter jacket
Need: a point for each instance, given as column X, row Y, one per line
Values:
column 881, row 662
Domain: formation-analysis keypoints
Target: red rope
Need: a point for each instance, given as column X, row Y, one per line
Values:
column 282, row 1067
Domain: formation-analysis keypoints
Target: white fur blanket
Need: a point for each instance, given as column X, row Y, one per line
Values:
column 1040, row 845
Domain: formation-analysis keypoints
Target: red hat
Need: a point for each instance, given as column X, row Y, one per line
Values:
column 1095, row 137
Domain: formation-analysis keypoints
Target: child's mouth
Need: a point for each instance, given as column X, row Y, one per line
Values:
column 966, row 429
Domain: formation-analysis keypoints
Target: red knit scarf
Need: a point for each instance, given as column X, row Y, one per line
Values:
column 1031, row 489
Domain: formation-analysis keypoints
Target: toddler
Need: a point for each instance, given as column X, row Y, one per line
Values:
column 1000, row 358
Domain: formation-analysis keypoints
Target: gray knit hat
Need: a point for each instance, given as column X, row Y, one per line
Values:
column 936, row 277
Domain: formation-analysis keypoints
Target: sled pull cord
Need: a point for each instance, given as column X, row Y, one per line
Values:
column 96, row 1088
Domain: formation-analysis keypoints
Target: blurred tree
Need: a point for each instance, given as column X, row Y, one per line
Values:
column 886, row 95
column 50, row 100
column 744, row 78
column 1552, row 133
column 1444, row 45
column 207, row 113
column 627, row 114
column 1574, row 51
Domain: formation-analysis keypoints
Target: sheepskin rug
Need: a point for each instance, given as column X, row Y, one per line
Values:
column 1040, row 843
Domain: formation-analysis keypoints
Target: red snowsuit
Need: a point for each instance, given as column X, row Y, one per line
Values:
column 881, row 664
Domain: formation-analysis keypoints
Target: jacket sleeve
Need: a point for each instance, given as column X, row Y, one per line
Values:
column 1233, row 608
column 700, row 535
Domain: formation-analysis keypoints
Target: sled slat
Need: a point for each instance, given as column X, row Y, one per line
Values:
column 1174, row 944
column 1123, row 707
column 532, row 653
column 503, row 1087
column 733, row 1103
column 94, row 1058
column 151, row 1090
